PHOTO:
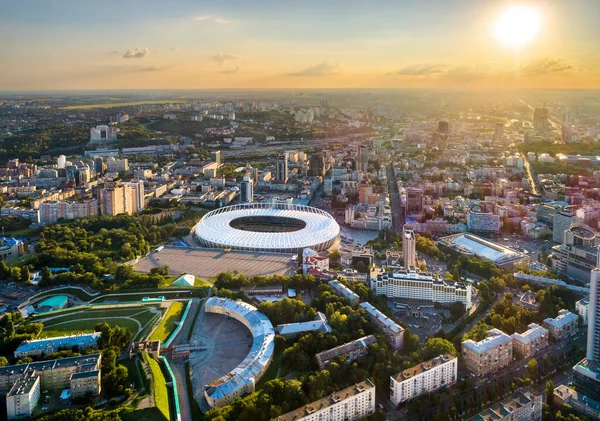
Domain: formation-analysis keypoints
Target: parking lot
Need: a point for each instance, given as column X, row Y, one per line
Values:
column 420, row 318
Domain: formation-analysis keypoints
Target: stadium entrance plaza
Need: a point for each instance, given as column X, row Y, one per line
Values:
column 208, row 263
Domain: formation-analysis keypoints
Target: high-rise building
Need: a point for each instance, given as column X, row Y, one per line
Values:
column 562, row 221
column 576, row 256
column 116, row 199
column 362, row 161
column 540, row 119
column 23, row 397
column 99, row 165
column 443, row 127
column 117, row 165
column 281, row 169
column 62, row 162
column 247, row 189
column 414, row 200
column 137, row 195
column 317, row 165
column 215, row 156
column 409, row 250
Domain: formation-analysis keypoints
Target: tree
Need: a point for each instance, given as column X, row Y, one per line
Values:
column 457, row 310
column 3, row 361
column 532, row 366
column 46, row 280
column 549, row 391
column 437, row 346
column 15, row 274
column 25, row 275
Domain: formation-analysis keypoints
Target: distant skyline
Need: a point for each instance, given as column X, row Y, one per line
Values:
column 186, row 44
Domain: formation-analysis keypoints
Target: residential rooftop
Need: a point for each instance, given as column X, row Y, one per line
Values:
column 332, row 353
column 564, row 318
column 382, row 318
column 533, row 332
column 423, row 367
column 495, row 338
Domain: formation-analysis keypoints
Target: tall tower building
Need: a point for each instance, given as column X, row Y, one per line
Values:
column 215, row 156
column 281, row 171
column 137, row 195
column 317, row 165
column 540, row 119
column 409, row 248
column 99, row 165
column 362, row 161
column 62, row 161
column 414, row 200
column 593, row 338
column 247, row 189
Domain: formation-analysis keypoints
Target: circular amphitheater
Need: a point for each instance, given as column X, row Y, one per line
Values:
column 272, row 227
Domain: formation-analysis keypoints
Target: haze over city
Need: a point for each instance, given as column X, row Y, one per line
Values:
column 282, row 44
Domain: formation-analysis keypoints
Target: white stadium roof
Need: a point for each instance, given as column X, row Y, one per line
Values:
column 214, row 229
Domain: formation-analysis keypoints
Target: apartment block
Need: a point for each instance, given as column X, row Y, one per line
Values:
column 522, row 406
column 394, row 331
column 38, row 347
column 351, row 351
column 488, row 355
column 426, row 377
column 342, row 290
column 351, row 404
column 562, row 325
column 51, row 212
column 23, row 397
column 529, row 342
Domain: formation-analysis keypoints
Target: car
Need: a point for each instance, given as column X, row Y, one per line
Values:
column 476, row 387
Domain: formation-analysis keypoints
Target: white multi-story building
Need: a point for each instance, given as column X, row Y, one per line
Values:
column 582, row 307
column 423, row 378
column 103, row 133
column 117, row 165
column 530, row 341
column 351, row 404
column 488, row 355
column 23, row 397
column 483, row 222
column 137, row 195
column 394, row 331
column 421, row 286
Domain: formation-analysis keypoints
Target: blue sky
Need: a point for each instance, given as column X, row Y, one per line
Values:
column 195, row 44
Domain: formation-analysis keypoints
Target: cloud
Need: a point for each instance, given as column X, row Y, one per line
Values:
column 231, row 71
column 322, row 69
column 149, row 69
column 543, row 66
column 221, row 58
column 114, row 52
column 211, row 19
column 421, row 69
column 175, row 49
column 136, row 53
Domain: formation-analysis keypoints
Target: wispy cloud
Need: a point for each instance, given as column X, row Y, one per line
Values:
column 221, row 58
column 136, row 53
column 545, row 65
column 421, row 69
column 175, row 49
column 211, row 19
column 149, row 69
column 322, row 69
column 114, row 53
column 231, row 71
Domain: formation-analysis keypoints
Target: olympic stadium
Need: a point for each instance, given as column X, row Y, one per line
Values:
column 268, row 227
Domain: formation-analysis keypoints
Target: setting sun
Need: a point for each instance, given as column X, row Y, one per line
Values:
column 517, row 26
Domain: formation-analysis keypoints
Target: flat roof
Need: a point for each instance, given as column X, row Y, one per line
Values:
column 495, row 338
column 332, row 353
column 52, row 344
column 84, row 362
column 23, row 386
column 208, row 263
column 319, row 323
column 468, row 243
column 382, row 318
column 328, row 401
column 423, row 367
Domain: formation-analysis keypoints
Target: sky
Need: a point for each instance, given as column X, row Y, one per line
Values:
column 186, row 44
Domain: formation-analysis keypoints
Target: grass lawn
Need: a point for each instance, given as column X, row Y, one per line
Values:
column 85, row 326
column 159, row 386
column 200, row 283
column 169, row 322
column 134, row 372
column 124, row 297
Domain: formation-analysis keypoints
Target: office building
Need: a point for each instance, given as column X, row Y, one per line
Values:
column 53, row 374
column 281, row 169
column 576, row 256
column 562, row 325
column 421, row 286
column 351, row 351
column 351, row 404
column 394, row 331
column 582, row 404
column 247, row 189
column 521, row 406
column 99, row 166
column 136, row 188
column 483, row 222
column 562, row 221
column 362, row 161
column 414, row 201
column 425, row 377
column 409, row 248
column 317, row 165
column 531, row 341
column 39, row 347
column 443, row 127
column 23, row 397
column 103, row 133
column 582, row 308
column 488, row 355
column 343, row 291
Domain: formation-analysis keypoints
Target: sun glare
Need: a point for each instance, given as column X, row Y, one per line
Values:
column 517, row 26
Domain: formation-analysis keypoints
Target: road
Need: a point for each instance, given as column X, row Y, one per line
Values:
column 398, row 217
column 530, row 175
